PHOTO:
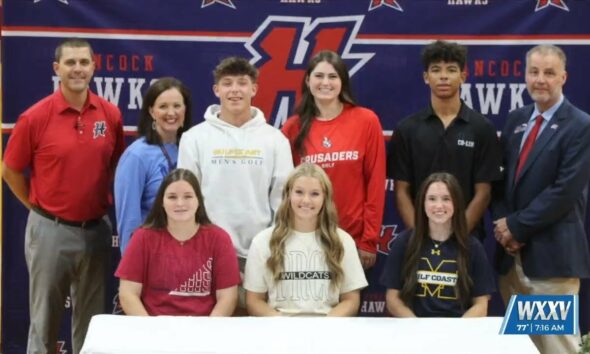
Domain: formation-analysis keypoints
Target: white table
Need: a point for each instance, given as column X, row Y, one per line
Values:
column 128, row 334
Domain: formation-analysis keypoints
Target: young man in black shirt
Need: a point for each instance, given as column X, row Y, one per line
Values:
column 445, row 136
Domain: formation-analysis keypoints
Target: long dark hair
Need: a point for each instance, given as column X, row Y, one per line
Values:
column 157, row 218
column 144, row 125
column 422, row 233
column 307, row 109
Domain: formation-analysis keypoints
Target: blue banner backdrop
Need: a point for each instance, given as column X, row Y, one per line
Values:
column 138, row 41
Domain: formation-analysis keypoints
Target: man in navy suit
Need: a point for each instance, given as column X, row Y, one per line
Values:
column 541, row 212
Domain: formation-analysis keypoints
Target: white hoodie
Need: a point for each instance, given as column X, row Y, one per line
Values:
column 242, row 171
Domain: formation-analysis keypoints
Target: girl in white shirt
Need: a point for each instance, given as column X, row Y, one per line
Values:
column 304, row 264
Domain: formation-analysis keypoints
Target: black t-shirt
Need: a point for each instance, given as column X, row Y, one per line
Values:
column 438, row 274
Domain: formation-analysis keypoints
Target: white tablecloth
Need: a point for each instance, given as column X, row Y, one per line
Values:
column 128, row 334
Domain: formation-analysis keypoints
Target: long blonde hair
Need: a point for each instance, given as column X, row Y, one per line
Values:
column 326, row 228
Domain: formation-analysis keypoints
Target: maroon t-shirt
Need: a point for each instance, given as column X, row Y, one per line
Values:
column 180, row 278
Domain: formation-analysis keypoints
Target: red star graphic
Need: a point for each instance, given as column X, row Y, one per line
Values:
column 389, row 3
column 542, row 4
column 227, row 3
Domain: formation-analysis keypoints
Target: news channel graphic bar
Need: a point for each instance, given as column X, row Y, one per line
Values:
column 541, row 314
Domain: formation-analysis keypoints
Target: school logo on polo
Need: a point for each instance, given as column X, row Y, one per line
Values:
column 100, row 128
column 466, row 143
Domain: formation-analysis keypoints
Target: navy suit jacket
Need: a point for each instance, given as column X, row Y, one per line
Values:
column 545, row 208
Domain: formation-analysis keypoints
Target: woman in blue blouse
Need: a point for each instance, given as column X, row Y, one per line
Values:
column 165, row 115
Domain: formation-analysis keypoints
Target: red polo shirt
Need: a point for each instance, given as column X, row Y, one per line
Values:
column 71, row 154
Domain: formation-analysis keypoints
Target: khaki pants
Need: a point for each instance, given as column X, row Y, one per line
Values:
column 64, row 260
column 516, row 282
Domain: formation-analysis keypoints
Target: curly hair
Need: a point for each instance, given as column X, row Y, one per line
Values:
column 448, row 52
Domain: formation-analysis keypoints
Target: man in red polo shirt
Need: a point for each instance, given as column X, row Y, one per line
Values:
column 70, row 141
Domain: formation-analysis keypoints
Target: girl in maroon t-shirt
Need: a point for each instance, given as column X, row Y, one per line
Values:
column 179, row 263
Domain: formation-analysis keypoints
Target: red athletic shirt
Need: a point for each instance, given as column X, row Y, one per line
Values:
column 180, row 278
column 351, row 149
column 71, row 155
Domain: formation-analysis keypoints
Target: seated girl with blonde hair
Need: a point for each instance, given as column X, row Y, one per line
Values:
column 304, row 264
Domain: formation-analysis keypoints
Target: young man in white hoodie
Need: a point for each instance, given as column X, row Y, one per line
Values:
column 241, row 161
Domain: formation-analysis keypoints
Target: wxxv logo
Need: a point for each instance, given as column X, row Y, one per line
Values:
column 541, row 314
